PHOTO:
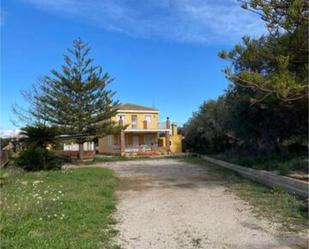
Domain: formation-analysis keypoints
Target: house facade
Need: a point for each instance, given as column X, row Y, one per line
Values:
column 143, row 133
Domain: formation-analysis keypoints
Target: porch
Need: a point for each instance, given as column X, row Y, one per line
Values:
column 131, row 143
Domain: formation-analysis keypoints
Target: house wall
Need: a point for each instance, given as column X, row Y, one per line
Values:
column 88, row 146
column 106, row 145
column 176, row 143
column 140, row 119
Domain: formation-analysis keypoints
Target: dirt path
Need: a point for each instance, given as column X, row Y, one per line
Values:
column 168, row 204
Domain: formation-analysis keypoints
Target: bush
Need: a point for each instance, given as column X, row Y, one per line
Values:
column 34, row 159
column 283, row 169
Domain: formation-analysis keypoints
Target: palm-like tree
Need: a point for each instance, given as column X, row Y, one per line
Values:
column 39, row 136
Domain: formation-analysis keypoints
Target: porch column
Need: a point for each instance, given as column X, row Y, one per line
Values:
column 122, row 143
column 167, row 141
column 167, row 134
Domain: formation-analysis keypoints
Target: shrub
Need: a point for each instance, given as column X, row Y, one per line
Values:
column 34, row 159
column 283, row 169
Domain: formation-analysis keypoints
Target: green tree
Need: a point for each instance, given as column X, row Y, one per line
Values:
column 39, row 136
column 275, row 66
column 36, row 140
column 207, row 131
column 268, row 99
column 75, row 98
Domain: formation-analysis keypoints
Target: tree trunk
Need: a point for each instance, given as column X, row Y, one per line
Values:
column 81, row 151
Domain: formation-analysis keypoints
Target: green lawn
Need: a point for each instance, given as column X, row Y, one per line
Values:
column 57, row 209
column 274, row 204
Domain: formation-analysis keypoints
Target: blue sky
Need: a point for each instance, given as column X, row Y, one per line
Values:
column 162, row 53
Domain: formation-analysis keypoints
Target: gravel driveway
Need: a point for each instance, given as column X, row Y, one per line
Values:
column 170, row 204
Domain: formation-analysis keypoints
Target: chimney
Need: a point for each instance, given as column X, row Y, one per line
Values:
column 174, row 129
column 168, row 123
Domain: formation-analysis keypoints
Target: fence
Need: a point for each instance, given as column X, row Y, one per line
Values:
column 5, row 155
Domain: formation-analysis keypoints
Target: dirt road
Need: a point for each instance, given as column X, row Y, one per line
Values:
column 169, row 204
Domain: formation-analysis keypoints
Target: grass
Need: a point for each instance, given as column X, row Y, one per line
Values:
column 284, row 164
column 57, row 209
column 274, row 204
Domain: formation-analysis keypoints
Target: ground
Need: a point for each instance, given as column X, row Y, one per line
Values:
column 57, row 209
column 174, row 204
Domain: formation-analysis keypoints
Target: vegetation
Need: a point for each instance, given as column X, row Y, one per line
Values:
column 265, row 109
column 35, row 159
column 4, row 142
column 39, row 136
column 35, row 154
column 274, row 204
column 282, row 163
column 75, row 99
column 57, row 209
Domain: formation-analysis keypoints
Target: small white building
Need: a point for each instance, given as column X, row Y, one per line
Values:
column 88, row 146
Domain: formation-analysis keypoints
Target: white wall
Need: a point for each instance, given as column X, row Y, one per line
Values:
column 74, row 147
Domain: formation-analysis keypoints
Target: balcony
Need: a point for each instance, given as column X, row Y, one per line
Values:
column 136, row 127
column 137, row 148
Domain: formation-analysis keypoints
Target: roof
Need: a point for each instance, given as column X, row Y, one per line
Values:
column 133, row 107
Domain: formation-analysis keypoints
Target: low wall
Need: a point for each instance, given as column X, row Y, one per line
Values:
column 74, row 154
column 4, row 157
column 292, row 186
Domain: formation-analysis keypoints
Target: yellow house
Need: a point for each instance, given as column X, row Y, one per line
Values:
column 144, row 134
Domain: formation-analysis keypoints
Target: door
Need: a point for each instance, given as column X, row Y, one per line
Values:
column 135, row 141
column 148, row 140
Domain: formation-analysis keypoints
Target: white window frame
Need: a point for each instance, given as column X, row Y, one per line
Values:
column 110, row 140
column 149, row 117
column 123, row 117
column 135, row 124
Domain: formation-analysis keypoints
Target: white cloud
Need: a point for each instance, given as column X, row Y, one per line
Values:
column 192, row 21
column 6, row 133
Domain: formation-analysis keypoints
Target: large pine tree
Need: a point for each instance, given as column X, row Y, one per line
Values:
column 76, row 98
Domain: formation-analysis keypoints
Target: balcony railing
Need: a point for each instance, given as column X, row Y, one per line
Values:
column 162, row 125
column 141, row 148
column 145, row 125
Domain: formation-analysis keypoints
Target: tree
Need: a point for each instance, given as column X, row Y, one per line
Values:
column 268, row 99
column 36, row 140
column 207, row 130
column 39, row 136
column 75, row 98
column 275, row 66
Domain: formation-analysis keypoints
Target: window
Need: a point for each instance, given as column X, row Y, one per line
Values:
column 110, row 140
column 122, row 116
column 149, row 140
column 134, row 121
column 148, row 119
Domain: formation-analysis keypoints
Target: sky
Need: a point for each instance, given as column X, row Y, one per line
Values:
column 161, row 53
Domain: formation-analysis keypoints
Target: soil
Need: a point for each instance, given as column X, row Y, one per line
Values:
column 170, row 204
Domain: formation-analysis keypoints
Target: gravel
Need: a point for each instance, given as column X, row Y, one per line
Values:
column 170, row 204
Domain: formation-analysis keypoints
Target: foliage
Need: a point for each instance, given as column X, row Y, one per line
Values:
column 57, row 209
column 36, row 158
column 75, row 98
column 265, row 109
column 283, row 163
column 207, row 130
column 39, row 136
column 274, row 66
column 35, row 141
column 4, row 142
